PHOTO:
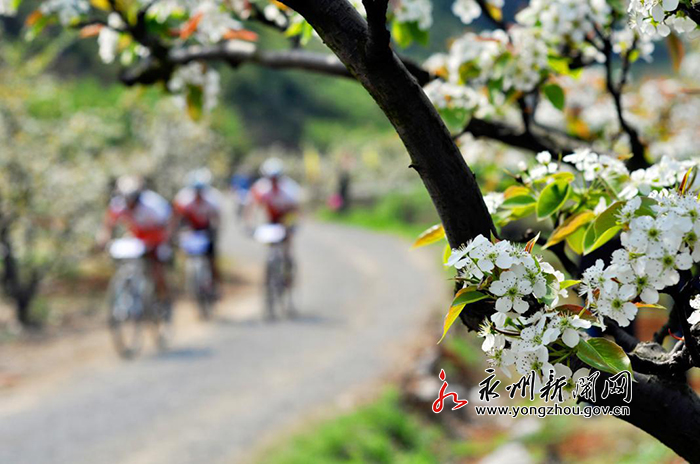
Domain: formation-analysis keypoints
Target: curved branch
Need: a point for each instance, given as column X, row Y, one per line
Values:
column 526, row 140
column 237, row 53
column 638, row 148
column 234, row 53
column 651, row 358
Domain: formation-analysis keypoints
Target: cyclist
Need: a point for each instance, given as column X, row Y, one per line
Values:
column 279, row 196
column 198, row 208
column 146, row 216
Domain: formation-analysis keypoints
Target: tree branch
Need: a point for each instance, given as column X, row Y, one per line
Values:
column 638, row 159
column 449, row 181
column 379, row 39
column 235, row 53
column 531, row 140
column 667, row 410
column 651, row 358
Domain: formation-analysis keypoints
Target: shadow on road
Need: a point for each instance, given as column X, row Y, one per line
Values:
column 185, row 354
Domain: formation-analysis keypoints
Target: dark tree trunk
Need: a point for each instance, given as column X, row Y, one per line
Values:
column 22, row 307
column 668, row 411
column 21, row 293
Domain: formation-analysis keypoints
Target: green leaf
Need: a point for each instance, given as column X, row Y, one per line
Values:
column 515, row 191
column 603, row 228
column 455, row 118
column 575, row 240
column 463, row 298
column 634, row 55
column 568, row 283
column 520, row 200
column 195, row 102
column 571, row 225
column 446, row 253
column 552, row 198
column 646, row 208
column 406, row 33
column 294, row 29
column 467, row 296
column 592, row 241
column 555, row 94
column 522, row 211
column 675, row 50
column 559, row 65
column 431, row 235
column 608, row 218
column 604, row 355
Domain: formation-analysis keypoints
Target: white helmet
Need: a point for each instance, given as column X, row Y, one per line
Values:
column 129, row 187
column 272, row 167
column 199, row 178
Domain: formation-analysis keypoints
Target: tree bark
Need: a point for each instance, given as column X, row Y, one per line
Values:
column 668, row 411
column 449, row 181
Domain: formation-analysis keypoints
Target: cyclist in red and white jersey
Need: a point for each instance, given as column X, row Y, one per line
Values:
column 279, row 197
column 146, row 215
column 276, row 193
column 198, row 207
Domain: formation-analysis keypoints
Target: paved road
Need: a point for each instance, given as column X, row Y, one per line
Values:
column 214, row 397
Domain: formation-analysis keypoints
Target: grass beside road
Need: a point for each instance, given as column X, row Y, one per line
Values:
column 406, row 214
column 380, row 432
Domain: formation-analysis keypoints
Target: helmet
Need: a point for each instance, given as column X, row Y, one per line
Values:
column 272, row 167
column 129, row 187
column 199, row 178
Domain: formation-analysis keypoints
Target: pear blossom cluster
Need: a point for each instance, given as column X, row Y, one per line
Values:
column 518, row 57
column 68, row 11
column 196, row 75
column 469, row 10
column 526, row 291
column 656, row 247
column 215, row 21
column 661, row 17
column 447, row 96
column 659, row 223
column 565, row 20
column 415, row 11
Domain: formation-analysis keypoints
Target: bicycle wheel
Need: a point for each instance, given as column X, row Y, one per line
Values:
column 125, row 318
column 162, row 323
column 289, row 286
column 274, row 286
column 203, row 289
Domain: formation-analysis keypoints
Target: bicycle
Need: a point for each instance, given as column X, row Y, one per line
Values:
column 279, row 272
column 198, row 272
column 132, row 300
